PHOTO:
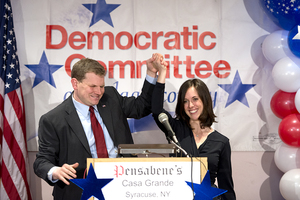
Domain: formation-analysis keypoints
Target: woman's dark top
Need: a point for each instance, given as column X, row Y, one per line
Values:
column 216, row 147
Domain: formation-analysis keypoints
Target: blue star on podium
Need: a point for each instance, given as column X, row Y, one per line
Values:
column 204, row 191
column 43, row 71
column 101, row 10
column 237, row 90
column 92, row 186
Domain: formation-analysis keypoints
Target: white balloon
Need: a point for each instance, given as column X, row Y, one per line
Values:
column 297, row 100
column 287, row 157
column 289, row 185
column 286, row 74
column 275, row 46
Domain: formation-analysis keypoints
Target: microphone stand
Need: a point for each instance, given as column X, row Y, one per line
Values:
column 187, row 155
column 178, row 146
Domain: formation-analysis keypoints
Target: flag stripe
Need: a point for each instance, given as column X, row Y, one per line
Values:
column 16, row 102
column 14, row 154
column 14, row 159
column 1, row 115
column 22, row 120
column 3, row 193
column 15, row 141
column 12, row 122
column 9, row 185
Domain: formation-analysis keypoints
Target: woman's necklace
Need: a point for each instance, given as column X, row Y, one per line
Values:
column 196, row 133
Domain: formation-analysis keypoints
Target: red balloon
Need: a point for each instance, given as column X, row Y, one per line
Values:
column 283, row 104
column 289, row 130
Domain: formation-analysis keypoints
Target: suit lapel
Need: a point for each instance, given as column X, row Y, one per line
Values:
column 105, row 113
column 75, row 124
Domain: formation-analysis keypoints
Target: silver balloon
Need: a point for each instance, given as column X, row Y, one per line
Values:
column 289, row 185
column 275, row 46
column 286, row 74
column 287, row 157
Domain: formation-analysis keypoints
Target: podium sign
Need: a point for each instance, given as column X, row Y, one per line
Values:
column 149, row 178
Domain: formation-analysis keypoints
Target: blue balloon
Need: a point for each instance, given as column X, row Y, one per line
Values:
column 284, row 13
column 294, row 40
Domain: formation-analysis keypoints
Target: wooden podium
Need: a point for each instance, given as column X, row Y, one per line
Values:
column 158, row 177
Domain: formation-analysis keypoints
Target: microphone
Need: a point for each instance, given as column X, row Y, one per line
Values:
column 163, row 118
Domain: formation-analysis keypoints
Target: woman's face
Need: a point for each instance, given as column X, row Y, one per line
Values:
column 193, row 106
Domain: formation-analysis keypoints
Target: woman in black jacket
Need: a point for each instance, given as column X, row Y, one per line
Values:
column 192, row 126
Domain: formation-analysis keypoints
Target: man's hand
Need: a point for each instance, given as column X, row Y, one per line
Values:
column 65, row 172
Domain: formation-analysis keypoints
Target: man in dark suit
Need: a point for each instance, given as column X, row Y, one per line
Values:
column 66, row 138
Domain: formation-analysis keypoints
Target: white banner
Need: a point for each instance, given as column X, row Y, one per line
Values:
column 216, row 41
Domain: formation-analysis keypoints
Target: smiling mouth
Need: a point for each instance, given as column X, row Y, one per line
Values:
column 193, row 111
column 96, row 97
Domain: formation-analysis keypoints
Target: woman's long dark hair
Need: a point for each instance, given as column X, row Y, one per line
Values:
column 207, row 117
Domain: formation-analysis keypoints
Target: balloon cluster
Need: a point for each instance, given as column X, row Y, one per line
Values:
column 282, row 49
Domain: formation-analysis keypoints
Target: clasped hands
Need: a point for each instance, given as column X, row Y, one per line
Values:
column 155, row 64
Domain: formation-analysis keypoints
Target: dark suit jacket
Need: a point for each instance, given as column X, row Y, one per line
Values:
column 63, row 140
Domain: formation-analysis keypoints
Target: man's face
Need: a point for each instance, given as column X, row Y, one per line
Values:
column 90, row 90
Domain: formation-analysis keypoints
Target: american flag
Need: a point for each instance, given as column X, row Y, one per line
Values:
column 14, row 159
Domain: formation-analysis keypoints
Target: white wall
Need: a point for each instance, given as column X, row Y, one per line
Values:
column 255, row 177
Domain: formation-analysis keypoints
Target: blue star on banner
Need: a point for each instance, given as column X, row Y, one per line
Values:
column 237, row 90
column 101, row 10
column 43, row 71
column 204, row 191
column 92, row 186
